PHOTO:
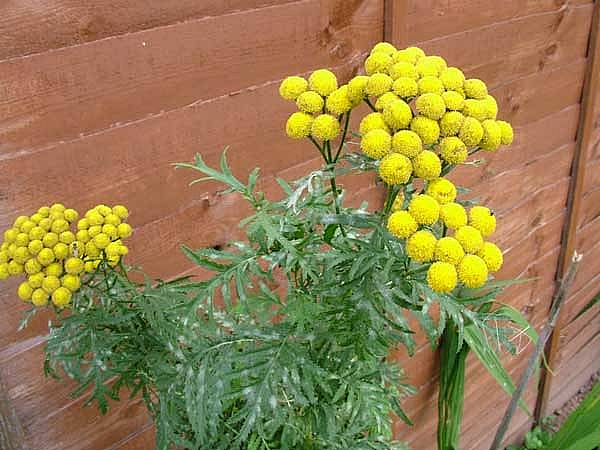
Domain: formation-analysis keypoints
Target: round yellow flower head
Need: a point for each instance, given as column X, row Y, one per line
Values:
column 427, row 165
column 385, row 100
column 44, row 211
column 61, row 297
column 357, row 88
column 395, row 169
column 120, row 211
column 449, row 250
column 409, row 54
column 338, row 101
column 57, row 207
column 74, row 266
column 490, row 107
column 322, row 81
column 407, row 143
column 492, row 135
column 325, row 127
column 83, row 224
column 124, row 230
column 506, row 131
column 24, row 291
column 438, row 61
column 470, row 238
column 376, row 143
column 475, row 88
column 71, row 215
column 55, row 269
column 384, row 47
column 35, row 280
column 453, row 150
column 91, row 250
column 472, row 271
column 403, row 70
column 45, row 257
column 27, row 226
column 475, row 108
column 101, row 241
column 483, row 219
column 372, row 121
column 430, row 85
column 397, row 115
column 442, row 277
column 427, row 68
column 421, row 246
column 83, row 236
column 378, row 84
column 4, row 273
column 310, row 102
column 427, row 129
column 378, row 62
column 452, row 78
column 50, row 284
column 21, row 254
column 298, row 125
column 471, row 132
column 32, row 266
column 492, row 256
column 442, row 190
column 431, row 105
column 405, row 87
column 37, row 233
column 291, row 87
column 71, row 282
column 19, row 221
column 453, row 100
column 110, row 230
column 39, row 297
column 95, row 218
column 15, row 268
column 424, row 209
column 112, row 219
column 22, row 239
column 451, row 123
column 401, row 224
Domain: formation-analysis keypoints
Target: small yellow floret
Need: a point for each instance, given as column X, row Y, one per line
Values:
column 483, row 219
column 378, row 62
column 490, row 106
column 372, row 121
column 471, row 132
column 385, row 100
column 430, row 85
column 407, row 143
column 292, row 87
column 453, row 78
column 401, row 224
column 405, row 87
column 298, row 125
column 50, row 284
column 430, row 105
column 442, row 190
column 39, row 297
column 397, row 115
column 475, row 108
column 492, row 256
column 475, row 88
column 24, row 291
column 74, row 266
column 120, row 211
column 492, row 135
column 427, row 129
column 61, row 297
column 357, row 87
column 453, row 100
column 442, row 277
column 472, row 271
column 384, row 47
column 453, row 150
column 449, row 250
column 403, row 70
column 124, row 230
column 310, row 102
column 322, row 81
column 325, row 127
column 470, row 238
column 376, row 143
column 450, row 123
column 507, row 132
column 424, row 209
column 378, row 84
column 421, row 246
column 395, row 169
column 427, row 165
column 338, row 101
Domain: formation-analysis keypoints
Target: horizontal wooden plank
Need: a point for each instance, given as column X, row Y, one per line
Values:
column 512, row 49
column 61, row 95
column 140, row 440
column 580, row 298
column 590, row 206
column 26, row 29
column 436, row 19
column 577, row 336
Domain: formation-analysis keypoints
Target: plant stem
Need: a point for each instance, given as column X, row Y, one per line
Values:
column 341, row 146
column 368, row 102
column 391, row 197
column 557, row 303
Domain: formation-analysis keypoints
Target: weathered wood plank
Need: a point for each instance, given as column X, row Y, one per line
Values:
column 61, row 95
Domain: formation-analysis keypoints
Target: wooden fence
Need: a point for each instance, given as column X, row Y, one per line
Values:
column 98, row 98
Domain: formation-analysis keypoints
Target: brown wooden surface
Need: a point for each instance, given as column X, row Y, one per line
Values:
column 97, row 99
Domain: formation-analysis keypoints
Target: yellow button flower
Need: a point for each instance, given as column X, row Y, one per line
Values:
column 91, row 266
column 37, row 233
column 74, row 266
column 482, row 219
column 475, row 108
column 35, row 280
column 427, row 129
column 338, row 101
column 61, row 251
column 110, row 230
column 450, row 123
column 20, row 221
column 424, row 209
column 453, row 100
column 449, row 250
column 410, row 54
column 27, row 226
column 24, row 291
column 395, row 169
column 475, row 88
column 384, row 47
column 101, row 241
column 83, row 236
column 325, row 127
column 427, row 68
column 15, row 268
column 472, row 271
column 376, row 143
column 430, row 85
column 83, row 224
column 310, row 102
column 403, row 69
column 94, row 230
column 4, row 273
column 506, row 132
column 492, row 256
column 401, row 224
column 54, row 269
column 91, row 250
column 45, row 224
column 407, row 143
column 45, row 256
column 95, row 218
column 291, row 87
column 492, row 135
column 66, row 237
column 322, row 81
column 421, row 246
column 61, row 297
column 298, row 125
column 39, row 297
column 21, row 254
column 427, row 165
column 372, row 121
column 378, row 62
column 490, row 106
column 397, row 115
column 453, row 150
column 112, row 219
column 452, row 78
column 44, row 211
column 59, row 225
column 471, row 132
column 50, row 284
column 378, row 84
column 357, row 88
column 71, row 215
column 453, row 215
column 32, row 266
column 71, row 282
column 442, row 190
column 57, row 207
column 470, row 238
column 405, row 87
column 385, row 100
column 22, row 239
column 442, row 277
column 431, row 105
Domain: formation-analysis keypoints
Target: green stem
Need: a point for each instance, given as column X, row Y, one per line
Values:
column 391, row 197
column 341, row 146
column 321, row 151
column 368, row 102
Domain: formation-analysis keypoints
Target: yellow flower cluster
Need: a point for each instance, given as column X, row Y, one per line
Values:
column 464, row 257
column 44, row 248
column 438, row 104
column 320, row 103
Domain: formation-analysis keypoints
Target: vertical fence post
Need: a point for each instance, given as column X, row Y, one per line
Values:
column 591, row 87
column 395, row 13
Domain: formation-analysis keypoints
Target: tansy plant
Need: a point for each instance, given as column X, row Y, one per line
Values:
column 286, row 344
